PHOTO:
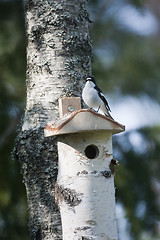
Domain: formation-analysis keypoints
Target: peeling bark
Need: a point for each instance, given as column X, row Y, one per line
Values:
column 58, row 59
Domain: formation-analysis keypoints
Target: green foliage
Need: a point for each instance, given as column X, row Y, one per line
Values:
column 13, row 211
column 136, row 178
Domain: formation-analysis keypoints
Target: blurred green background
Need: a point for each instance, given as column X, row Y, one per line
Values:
column 126, row 65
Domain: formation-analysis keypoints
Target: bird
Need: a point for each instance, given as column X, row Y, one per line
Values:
column 94, row 97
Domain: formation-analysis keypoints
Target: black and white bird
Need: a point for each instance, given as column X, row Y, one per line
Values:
column 94, row 98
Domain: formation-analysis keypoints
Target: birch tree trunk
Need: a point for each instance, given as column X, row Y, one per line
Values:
column 58, row 59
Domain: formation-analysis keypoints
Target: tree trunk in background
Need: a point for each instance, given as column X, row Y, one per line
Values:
column 58, row 59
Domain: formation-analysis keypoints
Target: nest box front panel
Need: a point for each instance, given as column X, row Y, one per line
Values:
column 91, row 151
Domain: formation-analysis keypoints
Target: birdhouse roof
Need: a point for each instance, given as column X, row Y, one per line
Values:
column 82, row 120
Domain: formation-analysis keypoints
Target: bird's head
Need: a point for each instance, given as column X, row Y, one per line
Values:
column 90, row 78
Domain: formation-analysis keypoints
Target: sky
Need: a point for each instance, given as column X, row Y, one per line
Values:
column 136, row 112
column 141, row 22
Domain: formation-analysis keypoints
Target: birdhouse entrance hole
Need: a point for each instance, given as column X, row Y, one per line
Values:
column 91, row 151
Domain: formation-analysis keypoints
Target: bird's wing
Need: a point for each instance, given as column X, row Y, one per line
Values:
column 101, row 95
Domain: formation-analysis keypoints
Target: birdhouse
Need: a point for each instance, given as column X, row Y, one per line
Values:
column 85, row 190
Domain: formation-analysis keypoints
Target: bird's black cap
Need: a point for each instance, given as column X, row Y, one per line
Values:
column 90, row 78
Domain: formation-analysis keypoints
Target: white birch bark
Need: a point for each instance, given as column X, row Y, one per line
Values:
column 58, row 58
column 85, row 187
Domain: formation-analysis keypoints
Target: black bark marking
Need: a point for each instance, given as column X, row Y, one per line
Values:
column 85, row 238
column 68, row 195
column 37, row 32
column 106, row 174
column 82, row 229
column 38, row 234
column 28, row 5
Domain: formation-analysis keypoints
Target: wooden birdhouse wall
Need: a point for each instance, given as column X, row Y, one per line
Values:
column 72, row 157
column 88, row 198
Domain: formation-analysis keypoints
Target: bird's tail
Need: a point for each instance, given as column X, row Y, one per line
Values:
column 106, row 112
column 109, row 115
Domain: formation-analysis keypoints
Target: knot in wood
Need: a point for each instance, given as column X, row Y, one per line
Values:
column 106, row 174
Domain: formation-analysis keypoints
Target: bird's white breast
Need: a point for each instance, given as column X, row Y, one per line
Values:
column 90, row 95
